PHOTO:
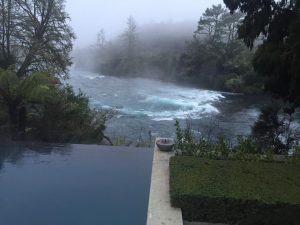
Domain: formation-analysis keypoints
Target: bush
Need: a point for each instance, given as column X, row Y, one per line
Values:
column 3, row 115
column 186, row 145
column 67, row 118
column 39, row 108
column 235, row 84
column 235, row 192
column 273, row 131
column 246, row 148
column 295, row 158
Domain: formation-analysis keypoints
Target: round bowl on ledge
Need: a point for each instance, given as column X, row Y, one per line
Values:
column 165, row 144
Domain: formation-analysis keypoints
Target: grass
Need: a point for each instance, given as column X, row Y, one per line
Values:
column 231, row 191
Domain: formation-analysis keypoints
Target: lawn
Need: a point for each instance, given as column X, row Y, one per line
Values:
column 236, row 192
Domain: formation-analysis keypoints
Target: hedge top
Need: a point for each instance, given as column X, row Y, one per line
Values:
column 268, row 183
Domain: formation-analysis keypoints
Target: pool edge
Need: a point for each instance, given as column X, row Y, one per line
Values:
column 159, row 207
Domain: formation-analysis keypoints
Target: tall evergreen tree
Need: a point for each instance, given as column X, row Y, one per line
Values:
column 130, row 36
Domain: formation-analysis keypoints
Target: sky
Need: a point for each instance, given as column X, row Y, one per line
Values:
column 89, row 16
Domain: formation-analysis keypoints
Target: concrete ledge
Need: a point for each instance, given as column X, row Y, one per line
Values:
column 160, row 211
column 200, row 223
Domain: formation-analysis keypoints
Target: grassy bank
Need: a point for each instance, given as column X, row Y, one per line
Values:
column 236, row 192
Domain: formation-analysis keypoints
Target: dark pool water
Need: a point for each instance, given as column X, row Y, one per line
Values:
column 74, row 185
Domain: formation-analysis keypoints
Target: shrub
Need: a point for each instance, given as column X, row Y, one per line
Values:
column 235, row 192
column 246, row 148
column 68, row 118
column 220, row 149
column 235, row 84
column 39, row 108
column 273, row 131
column 295, row 157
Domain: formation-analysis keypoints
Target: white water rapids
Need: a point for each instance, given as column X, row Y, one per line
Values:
column 147, row 106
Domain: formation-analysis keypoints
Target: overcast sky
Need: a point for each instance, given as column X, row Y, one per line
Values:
column 89, row 16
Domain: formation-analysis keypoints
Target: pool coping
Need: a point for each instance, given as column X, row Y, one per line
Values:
column 160, row 211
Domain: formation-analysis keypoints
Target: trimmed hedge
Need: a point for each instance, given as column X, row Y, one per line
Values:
column 236, row 192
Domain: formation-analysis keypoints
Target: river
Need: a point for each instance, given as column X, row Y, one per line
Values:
column 149, row 108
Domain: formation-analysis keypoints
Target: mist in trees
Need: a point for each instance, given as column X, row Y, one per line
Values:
column 208, row 55
column 138, row 51
column 216, row 57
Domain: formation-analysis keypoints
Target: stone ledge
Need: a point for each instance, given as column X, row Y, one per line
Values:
column 160, row 211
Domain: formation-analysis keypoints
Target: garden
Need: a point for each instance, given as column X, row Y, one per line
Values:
column 255, row 181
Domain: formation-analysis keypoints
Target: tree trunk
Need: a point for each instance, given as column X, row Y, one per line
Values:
column 8, row 28
column 13, row 119
column 17, row 117
column 22, row 122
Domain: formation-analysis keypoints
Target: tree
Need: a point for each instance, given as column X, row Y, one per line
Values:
column 215, row 55
column 273, row 130
column 39, row 35
column 35, row 37
column 37, row 107
column 16, row 95
column 210, row 24
column 130, row 36
column 101, row 40
column 74, row 122
column 278, row 56
column 6, row 25
column 219, row 29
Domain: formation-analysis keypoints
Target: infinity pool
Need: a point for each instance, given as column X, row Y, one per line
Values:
column 74, row 185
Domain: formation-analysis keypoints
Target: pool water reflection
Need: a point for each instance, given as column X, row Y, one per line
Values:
column 74, row 185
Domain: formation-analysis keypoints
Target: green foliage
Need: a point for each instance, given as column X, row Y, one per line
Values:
column 235, row 192
column 277, row 58
column 17, row 94
column 74, row 121
column 221, row 149
column 9, row 84
column 119, row 141
column 246, row 148
column 235, row 84
column 248, row 83
column 185, row 145
column 179, row 135
column 295, row 158
column 215, row 57
column 35, row 35
column 38, row 108
column 273, row 131
column 4, row 129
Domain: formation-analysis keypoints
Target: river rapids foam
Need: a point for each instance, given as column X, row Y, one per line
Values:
column 138, row 97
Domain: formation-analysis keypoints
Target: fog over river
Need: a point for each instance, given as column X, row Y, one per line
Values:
column 148, row 106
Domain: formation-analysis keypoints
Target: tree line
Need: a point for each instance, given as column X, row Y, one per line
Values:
column 250, row 47
column 211, row 58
